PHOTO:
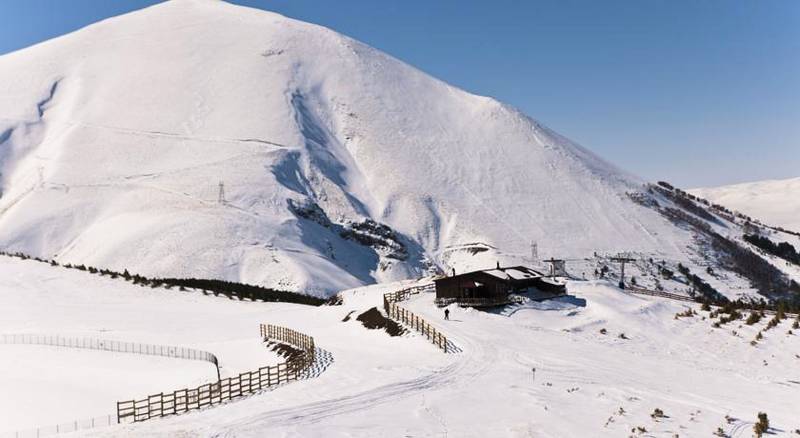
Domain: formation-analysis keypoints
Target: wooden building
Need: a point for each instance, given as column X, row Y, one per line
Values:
column 491, row 287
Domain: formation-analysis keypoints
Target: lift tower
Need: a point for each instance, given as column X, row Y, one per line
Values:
column 622, row 261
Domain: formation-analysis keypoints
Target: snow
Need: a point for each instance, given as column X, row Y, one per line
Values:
column 511, row 273
column 40, row 384
column 115, row 139
column 774, row 202
column 172, row 141
column 404, row 386
column 37, row 298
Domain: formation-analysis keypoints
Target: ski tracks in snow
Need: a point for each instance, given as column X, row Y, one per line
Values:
column 474, row 360
column 317, row 411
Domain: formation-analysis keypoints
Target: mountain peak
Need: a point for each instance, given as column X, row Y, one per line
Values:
column 234, row 143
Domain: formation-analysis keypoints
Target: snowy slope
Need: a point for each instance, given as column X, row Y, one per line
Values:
column 117, row 141
column 404, row 386
column 774, row 202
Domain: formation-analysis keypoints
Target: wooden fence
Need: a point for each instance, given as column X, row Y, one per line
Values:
column 404, row 316
column 229, row 388
column 672, row 296
column 658, row 293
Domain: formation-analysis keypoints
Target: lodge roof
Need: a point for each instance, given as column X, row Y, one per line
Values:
column 507, row 274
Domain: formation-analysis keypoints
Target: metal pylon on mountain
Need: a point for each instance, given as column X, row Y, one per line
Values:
column 622, row 260
column 221, row 196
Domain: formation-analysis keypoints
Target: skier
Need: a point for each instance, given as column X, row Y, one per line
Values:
column 447, row 314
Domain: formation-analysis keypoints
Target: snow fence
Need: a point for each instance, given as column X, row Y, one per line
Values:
column 110, row 345
column 229, row 388
column 410, row 319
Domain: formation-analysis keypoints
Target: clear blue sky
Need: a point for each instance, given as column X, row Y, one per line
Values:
column 693, row 92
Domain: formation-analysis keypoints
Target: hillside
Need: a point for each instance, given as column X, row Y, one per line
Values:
column 588, row 380
column 200, row 139
column 774, row 202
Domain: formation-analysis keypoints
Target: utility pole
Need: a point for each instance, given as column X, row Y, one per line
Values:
column 553, row 262
column 534, row 253
column 622, row 261
column 221, row 197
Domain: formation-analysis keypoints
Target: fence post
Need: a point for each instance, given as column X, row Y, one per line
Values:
column 154, row 405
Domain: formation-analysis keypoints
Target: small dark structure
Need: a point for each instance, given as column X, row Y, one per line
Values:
column 491, row 287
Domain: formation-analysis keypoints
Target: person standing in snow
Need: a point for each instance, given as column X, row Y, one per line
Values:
column 447, row 314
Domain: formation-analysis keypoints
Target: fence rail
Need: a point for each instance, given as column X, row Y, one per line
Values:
column 394, row 311
column 656, row 293
column 100, row 345
column 229, row 388
column 110, row 345
column 64, row 427
column 672, row 296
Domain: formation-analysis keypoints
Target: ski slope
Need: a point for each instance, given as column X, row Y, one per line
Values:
column 405, row 386
column 774, row 202
column 174, row 141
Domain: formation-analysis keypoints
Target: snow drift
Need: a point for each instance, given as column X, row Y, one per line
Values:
column 198, row 138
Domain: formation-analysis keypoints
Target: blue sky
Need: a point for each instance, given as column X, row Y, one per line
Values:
column 693, row 92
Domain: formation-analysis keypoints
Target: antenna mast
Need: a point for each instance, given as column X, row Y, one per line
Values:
column 221, row 196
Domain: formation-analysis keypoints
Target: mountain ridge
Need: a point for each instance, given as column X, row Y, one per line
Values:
column 774, row 201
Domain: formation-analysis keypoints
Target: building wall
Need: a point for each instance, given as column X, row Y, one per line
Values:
column 453, row 287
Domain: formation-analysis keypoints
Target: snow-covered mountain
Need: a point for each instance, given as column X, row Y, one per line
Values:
column 197, row 138
column 775, row 202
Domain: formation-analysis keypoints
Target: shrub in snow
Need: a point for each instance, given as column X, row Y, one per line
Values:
column 762, row 425
column 753, row 318
column 657, row 413
column 773, row 323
